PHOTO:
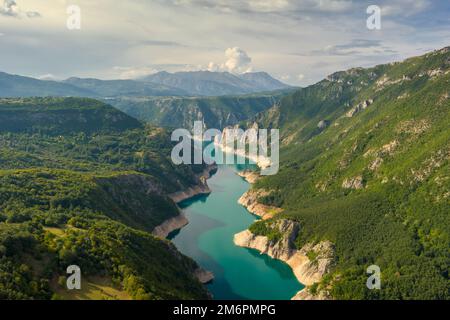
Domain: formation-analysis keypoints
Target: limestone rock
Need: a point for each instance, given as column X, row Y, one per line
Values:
column 306, row 295
column 163, row 230
column 323, row 124
column 353, row 183
column 307, row 271
column 250, row 176
column 203, row 275
column 250, row 201
column 358, row 108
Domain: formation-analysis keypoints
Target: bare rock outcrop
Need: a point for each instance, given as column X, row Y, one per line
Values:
column 180, row 221
column 232, row 134
column 203, row 275
column 323, row 124
column 356, row 183
column 200, row 189
column 249, row 175
column 163, row 230
column 250, row 201
column 359, row 107
column 191, row 192
column 307, row 295
column 309, row 264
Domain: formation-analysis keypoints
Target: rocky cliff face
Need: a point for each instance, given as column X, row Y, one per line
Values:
column 203, row 275
column 201, row 187
column 180, row 221
column 236, row 133
column 249, row 176
column 163, row 230
column 309, row 264
column 250, row 201
column 307, row 295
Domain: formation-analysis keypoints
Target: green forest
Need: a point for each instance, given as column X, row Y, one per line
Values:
column 84, row 184
column 365, row 164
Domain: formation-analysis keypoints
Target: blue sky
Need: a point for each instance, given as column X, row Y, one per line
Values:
column 297, row 41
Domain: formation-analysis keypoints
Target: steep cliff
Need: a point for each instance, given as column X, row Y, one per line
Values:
column 250, row 201
column 310, row 263
column 177, row 222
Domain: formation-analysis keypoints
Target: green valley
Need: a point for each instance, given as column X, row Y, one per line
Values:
column 364, row 164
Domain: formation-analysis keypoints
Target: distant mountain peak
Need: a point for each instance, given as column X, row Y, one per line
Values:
column 209, row 83
column 185, row 83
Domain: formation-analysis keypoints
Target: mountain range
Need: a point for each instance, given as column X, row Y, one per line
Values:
column 201, row 83
column 206, row 83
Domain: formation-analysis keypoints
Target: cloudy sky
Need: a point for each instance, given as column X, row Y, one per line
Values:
column 297, row 41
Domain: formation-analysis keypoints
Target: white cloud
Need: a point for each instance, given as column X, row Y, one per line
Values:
column 10, row 8
column 237, row 61
column 267, row 5
column 361, row 47
column 405, row 7
column 213, row 67
column 126, row 73
column 33, row 14
column 47, row 76
column 282, row 37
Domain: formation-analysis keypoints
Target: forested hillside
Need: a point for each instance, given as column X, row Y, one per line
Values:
column 182, row 112
column 365, row 165
column 84, row 184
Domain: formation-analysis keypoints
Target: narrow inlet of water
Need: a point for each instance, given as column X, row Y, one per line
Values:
column 240, row 273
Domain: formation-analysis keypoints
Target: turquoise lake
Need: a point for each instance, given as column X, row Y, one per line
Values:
column 240, row 273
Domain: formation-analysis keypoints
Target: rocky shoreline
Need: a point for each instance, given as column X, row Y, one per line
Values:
column 204, row 276
column 307, row 271
column 163, row 230
column 250, row 201
column 234, row 131
column 260, row 161
column 200, row 189
column 250, row 176
column 180, row 221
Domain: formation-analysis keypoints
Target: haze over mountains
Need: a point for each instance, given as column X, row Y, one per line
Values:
column 201, row 83
column 206, row 83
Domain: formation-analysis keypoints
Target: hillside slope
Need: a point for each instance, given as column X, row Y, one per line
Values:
column 19, row 86
column 365, row 165
column 129, row 88
column 85, row 184
column 62, row 115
